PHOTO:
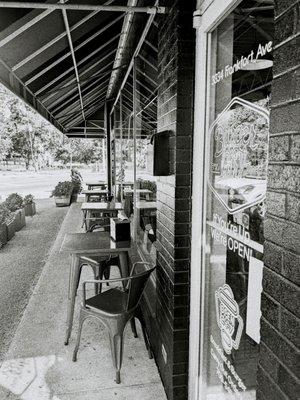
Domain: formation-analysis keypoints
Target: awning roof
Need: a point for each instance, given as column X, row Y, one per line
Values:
column 68, row 59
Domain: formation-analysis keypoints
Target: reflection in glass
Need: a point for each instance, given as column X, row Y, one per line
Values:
column 240, row 73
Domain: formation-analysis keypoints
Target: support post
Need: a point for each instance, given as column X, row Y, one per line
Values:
column 108, row 147
column 122, row 166
column 135, row 217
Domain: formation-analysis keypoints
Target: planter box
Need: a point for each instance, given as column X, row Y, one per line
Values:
column 10, row 229
column 62, row 201
column 22, row 217
column 3, row 234
column 17, row 220
column 30, row 209
column 74, row 197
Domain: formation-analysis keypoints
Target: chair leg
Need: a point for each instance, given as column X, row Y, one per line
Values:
column 81, row 321
column 78, row 280
column 146, row 340
column 140, row 317
column 133, row 327
column 116, row 344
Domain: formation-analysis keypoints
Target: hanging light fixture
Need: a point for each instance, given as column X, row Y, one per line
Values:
column 256, row 65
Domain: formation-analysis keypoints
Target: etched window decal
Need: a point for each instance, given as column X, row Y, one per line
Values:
column 239, row 138
column 228, row 318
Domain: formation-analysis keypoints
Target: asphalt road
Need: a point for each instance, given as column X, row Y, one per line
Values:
column 21, row 262
column 39, row 184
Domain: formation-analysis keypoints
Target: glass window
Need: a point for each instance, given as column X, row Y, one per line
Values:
column 146, row 122
column 238, row 86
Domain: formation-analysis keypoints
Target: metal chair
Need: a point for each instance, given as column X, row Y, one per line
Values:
column 99, row 264
column 114, row 308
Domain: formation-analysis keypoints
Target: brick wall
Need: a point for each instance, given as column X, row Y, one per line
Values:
column 278, row 372
column 175, row 114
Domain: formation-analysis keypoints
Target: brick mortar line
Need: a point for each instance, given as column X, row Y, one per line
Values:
column 274, row 382
column 285, row 162
column 286, row 71
column 281, row 190
column 285, row 11
column 159, row 75
column 286, row 281
column 165, row 247
column 170, row 98
column 290, row 38
column 285, row 103
column 284, row 133
column 281, row 219
column 161, row 254
column 166, row 229
column 295, row 348
column 278, row 303
column 285, row 219
column 164, row 214
column 172, row 280
column 283, row 248
column 163, row 115
column 172, row 84
column 165, row 314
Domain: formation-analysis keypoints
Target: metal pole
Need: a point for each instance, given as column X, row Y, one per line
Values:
column 108, row 147
column 136, row 52
column 135, row 217
column 81, row 7
column 121, row 145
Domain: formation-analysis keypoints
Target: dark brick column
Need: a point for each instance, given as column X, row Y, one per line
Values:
column 278, row 372
column 175, row 113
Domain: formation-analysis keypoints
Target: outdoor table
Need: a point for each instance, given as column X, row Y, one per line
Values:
column 93, row 184
column 94, row 192
column 101, row 208
column 146, row 192
column 88, row 244
column 146, row 205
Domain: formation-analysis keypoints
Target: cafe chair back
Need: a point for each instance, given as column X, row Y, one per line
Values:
column 114, row 308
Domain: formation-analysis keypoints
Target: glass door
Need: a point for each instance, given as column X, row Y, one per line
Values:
column 238, row 91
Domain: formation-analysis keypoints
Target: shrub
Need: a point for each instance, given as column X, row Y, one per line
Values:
column 5, row 213
column 76, row 179
column 28, row 199
column 62, row 189
column 14, row 202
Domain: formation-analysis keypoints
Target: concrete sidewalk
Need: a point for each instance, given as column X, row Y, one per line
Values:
column 39, row 367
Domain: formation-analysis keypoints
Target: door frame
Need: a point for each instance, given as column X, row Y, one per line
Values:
column 207, row 16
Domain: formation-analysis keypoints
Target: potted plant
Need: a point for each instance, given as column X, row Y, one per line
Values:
column 14, row 203
column 5, row 215
column 29, row 205
column 76, row 179
column 62, row 193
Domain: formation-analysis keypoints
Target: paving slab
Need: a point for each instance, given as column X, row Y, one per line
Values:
column 38, row 366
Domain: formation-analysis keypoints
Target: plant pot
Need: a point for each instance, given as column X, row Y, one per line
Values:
column 74, row 197
column 30, row 209
column 62, row 201
column 3, row 234
column 17, row 220
column 22, row 216
column 10, row 229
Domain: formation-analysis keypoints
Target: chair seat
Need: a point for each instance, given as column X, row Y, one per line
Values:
column 112, row 301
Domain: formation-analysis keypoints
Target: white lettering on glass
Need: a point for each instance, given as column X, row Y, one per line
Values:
column 228, row 318
column 228, row 70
